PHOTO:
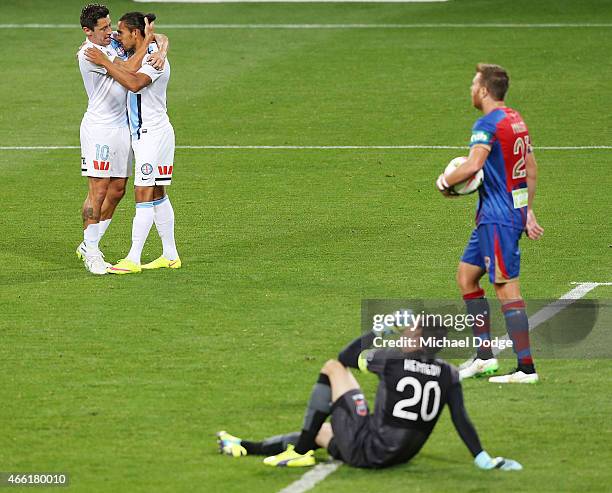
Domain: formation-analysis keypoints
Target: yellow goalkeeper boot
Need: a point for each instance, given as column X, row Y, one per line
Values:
column 290, row 458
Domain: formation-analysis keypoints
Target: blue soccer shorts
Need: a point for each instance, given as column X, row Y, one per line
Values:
column 495, row 248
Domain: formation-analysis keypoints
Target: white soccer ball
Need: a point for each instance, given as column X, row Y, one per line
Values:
column 468, row 186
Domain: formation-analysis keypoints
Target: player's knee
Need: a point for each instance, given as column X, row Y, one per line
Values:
column 118, row 193
column 466, row 282
column 462, row 280
column 331, row 366
column 96, row 197
column 324, row 436
column 143, row 194
column 159, row 192
column 508, row 291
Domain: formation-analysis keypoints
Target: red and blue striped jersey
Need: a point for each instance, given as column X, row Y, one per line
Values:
column 503, row 194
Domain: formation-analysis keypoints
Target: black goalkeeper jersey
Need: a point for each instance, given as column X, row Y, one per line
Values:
column 412, row 393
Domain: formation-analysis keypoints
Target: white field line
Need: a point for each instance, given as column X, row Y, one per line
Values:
column 599, row 283
column 289, row 147
column 340, row 26
column 309, row 480
column 289, row 1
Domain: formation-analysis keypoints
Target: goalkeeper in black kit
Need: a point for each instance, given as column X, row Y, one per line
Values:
column 413, row 389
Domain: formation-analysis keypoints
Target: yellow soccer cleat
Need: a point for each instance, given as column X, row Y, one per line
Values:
column 124, row 266
column 230, row 445
column 81, row 251
column 163, row 263
column 290, row 458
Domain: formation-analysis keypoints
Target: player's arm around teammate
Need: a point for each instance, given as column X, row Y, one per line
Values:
column 133, row 81
column 122, row 70
column 134, row 61
column 158, row 59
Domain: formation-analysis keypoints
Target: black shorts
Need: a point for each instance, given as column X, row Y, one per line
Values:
column 350, row 419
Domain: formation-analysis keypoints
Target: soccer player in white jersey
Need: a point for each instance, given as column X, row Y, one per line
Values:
column 105, row 136
column 152, row 143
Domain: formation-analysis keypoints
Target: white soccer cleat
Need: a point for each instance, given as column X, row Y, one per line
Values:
column 81, row 252
column 478, row 368
column 95, row 264
column 516, row 377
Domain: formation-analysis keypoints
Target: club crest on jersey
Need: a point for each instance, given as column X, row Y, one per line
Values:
column 146, row 169
column 361, row 408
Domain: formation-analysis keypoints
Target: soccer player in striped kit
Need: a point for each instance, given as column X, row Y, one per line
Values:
column 152, row 142
column 501, row 146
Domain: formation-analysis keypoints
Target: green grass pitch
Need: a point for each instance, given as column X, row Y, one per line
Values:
column 123, row 381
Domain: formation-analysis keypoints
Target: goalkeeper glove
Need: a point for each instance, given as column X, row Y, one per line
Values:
column 484, row 461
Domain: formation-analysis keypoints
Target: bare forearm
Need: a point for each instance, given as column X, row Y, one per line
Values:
column 462, row 173
column 476, row 160
column 532, row 178
column 162, row 43
column 122, row 75
column 134, row 62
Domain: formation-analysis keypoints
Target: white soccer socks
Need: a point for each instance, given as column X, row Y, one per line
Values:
column 103, row 227
column 159, row 211
column 164, row 222
column 91, row 235
column 143, row 220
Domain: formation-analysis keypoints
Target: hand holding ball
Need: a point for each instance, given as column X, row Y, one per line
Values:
column 465, row 187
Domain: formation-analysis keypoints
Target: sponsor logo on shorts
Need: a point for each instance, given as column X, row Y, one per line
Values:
column 165, row 170
column 487, row 263
column 146, row 169
column 101, row 165
column 361, row 408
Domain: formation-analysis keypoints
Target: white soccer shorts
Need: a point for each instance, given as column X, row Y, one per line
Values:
column 154, row 156
column 106, row 152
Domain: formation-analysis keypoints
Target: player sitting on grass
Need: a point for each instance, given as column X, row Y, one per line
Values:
column 412, row 392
